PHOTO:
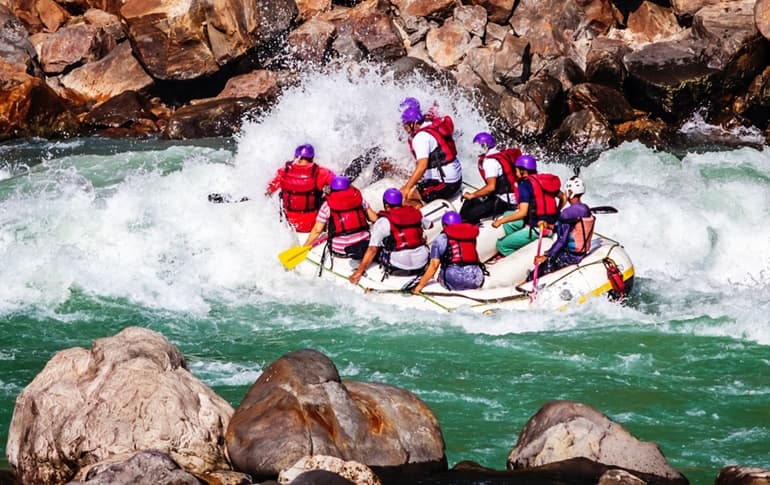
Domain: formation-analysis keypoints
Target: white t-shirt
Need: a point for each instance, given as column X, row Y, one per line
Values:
column 492, row 168
column 423, row 144
column 404, row 259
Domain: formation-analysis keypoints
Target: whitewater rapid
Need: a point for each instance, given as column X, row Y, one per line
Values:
column 135, row 224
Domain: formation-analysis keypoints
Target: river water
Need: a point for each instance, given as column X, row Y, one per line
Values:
column 97, row 235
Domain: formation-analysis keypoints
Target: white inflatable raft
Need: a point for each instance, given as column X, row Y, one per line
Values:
column 504, row 288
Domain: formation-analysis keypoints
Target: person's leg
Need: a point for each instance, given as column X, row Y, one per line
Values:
column 516, row 238
column 472, row 211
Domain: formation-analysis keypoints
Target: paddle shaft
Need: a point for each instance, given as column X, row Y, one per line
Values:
column 541, row 230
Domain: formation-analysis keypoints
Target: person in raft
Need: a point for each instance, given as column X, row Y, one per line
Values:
column 398, row 237
column 574, row 229
column 345, row 215
column 454, row 252
column 301, row 183
column 438, row 172
column 498, row 173
column 540, row 199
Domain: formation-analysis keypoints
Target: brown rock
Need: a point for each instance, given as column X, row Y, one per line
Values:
column 448, row 44
column 535, row 108
column 128, row 392
column 170, row 37
column 211, row 118
column 481, row 62
column 496, row 33
column 311, row 40
column 142, row 468
column 375, row 32
column 619, row 477
column 566, row 71
column 651, row 23
column 731, row 31
column 28, row 107
column 604, row 62
column 473, row 18
column 51, row 15
column 512, row 61
column 73, row 45
column 688, row 8
column 298, row 406
column 585, row 131
column 424, row 8
column 108, row 22
column 357, row 473
column 564, row 429
column 762, row 17
column 117, row 72
column 16, row 51
column 742, row 475
column 310, row 8
column 603, row 99
column 255, row 84
column 551, row 25
column 122, row 111
column 650, row 132
column 499, row 10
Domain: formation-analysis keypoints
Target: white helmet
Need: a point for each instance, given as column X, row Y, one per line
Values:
column 575, row 185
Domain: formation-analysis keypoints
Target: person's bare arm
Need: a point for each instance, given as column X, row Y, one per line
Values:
column 520, row 213
column 429, row 273
column 370, row 214
column 419, row 171
column 314, row 233
column 369, row 255
column 489, row 188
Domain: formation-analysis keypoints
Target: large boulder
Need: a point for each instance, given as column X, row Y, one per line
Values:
column 73, row 45
column 584, row 131
column 115, row 73
column 762, row 17
column 16, row 51
column 534, row 108
column 29, row 107
column 129, row 392
column 551, row 26
column 604, row 62
column 448, row 44
column 499, row 10
column 424, row 8
column 561, row 430
column 311, row 40
column 603, row 99
column 350, row 470
column 212, row 117
column 688, row 8
column 299, row 406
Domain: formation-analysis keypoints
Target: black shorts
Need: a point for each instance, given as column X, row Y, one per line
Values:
column 354, row 251
column 436, row 189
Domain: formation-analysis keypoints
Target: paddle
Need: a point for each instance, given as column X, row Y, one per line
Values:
column 604, row 209
column 291, row 257
column 541, row 227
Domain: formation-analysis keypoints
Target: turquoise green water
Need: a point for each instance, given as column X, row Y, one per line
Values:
column 96, row 236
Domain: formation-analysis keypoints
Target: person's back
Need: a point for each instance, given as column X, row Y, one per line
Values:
column 498, row 173
column 345, row 215
column 301, row 183
column 574, row 231
column 454, row 253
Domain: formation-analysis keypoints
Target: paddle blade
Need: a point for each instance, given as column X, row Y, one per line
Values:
column 604, row 209
column 293, row 256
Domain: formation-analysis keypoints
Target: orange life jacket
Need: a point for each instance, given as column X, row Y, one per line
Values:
column 405, row 228
column 582, row 233
column 507, row 182
column 441, row 128
column 347, row 214
column 299, row 188
column 462, row 244
column 545, row 206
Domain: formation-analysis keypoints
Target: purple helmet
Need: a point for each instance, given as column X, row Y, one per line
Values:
column 409, row 102
column 411, row 115
column 451, row 217
column 304, row 151
column 527, row 162
column 484, row 138
column 393, row 196
column 340, row 182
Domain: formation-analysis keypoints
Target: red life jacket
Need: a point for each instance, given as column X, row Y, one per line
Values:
column 405, row 228
column 299, row 188
column 582, row 233
column 545, row 206
column 507, row 182
column 462, row 244
column 347, row 214
column 441, row 128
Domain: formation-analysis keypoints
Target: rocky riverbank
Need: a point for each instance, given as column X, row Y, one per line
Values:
column 128, row 411
column 572, row 75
